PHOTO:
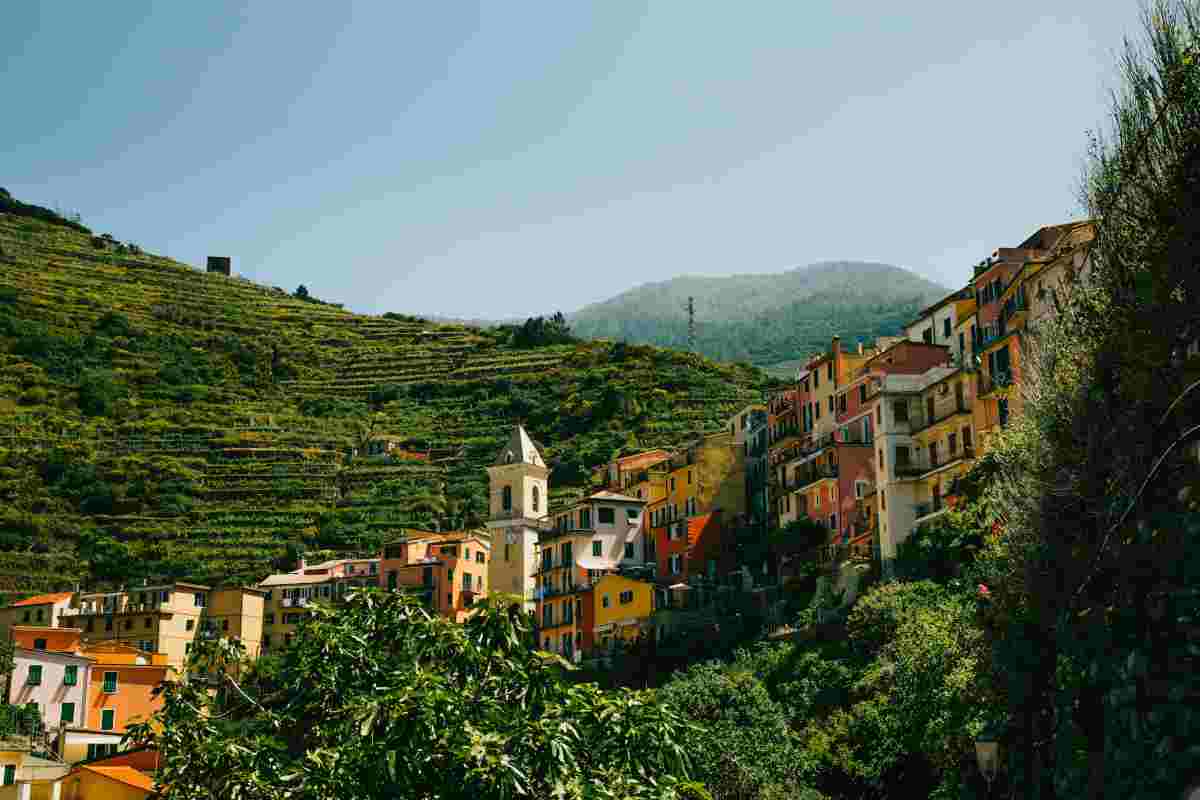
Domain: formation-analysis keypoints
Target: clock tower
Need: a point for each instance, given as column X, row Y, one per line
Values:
column 518, row 482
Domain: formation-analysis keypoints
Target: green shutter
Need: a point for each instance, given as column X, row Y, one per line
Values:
column 10, row 774
column 35, row 675
column 106, row 719
column 110, row 683
column 68, row 712
column 71, row 675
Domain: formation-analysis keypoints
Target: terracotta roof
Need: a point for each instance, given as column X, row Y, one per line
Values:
column 44, row 599
column 126, row 775
column 292, row 579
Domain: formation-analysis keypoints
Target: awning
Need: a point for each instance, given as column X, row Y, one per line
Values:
column 596, row 562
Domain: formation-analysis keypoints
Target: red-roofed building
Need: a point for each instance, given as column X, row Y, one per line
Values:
column 104, row 781
column 43, row 610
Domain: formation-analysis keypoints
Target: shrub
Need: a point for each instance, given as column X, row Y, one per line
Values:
column 878, row 614
column 35, row 396
column 98, row 390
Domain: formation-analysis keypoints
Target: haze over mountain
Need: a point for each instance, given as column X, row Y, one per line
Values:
column 765, row 319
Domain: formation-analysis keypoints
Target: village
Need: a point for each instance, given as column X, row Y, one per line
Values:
column 823, row 480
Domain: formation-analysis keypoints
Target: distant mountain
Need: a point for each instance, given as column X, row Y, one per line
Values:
column 765, row 319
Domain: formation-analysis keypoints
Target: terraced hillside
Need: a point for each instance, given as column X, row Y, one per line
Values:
column 158, row 421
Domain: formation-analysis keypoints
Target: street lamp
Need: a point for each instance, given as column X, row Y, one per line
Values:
column 987, row 755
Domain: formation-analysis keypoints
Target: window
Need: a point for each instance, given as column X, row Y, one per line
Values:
column 901, row 456
column 953, row 442
column 479, row 557
column 10, row 773
column 606, row 516
column 689, row 476
column 585, row 518
column 829, row 370
column 883, row 499
column 270, row 618
column 966, row 436
column 862, row 393
column 466, row 582
column 672, row 484
column 631, row 514
column 225, row 622
column 91, row 625
column 676, row 564
column 626, row 597
column 596, row 548
column 191, row 623
column 268, row 597
column 537, row 498
column 146, row 623
column 34, row 677
column 26, row 617
column 146, row 646
column 605, row 601
column 199, row 600
column 68, row 713
column 833, row 522
column 927, row 336
column 108, row 624
column 831, row 403
column 817, row 379
column 860, row 489
column 39, row 644
column 107, row 720
column 507, row 551
column 506, row 498
column 110, row 683
column 900, row 411
column 1002, row 410
column 946, row 328
column 71, row 675
column 629, row 549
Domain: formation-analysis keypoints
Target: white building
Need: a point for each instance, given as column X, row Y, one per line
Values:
column 55, row 682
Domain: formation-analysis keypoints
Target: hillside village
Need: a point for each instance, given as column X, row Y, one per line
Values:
column 812, row 489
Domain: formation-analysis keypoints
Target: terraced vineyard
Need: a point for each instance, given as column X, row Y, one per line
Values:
column 157, row 421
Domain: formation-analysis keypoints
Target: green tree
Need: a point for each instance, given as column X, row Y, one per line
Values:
column 380, row 699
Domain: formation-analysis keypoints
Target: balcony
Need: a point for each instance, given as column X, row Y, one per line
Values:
column 988, row 383
column 960, row 407
column 920, row 467
column 925, row 511
column 809, row 477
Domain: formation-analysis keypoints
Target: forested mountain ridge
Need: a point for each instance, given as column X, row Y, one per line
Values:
column 765, row 318
column 157, row 421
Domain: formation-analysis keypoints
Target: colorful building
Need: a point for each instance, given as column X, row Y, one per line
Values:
column 120, row 691
column 448, row 570
column 55, row 681
column 43, row 610
column 613, row 609
column 598, row 535
column 164, row 619
column 24, row 776
column 286, row 596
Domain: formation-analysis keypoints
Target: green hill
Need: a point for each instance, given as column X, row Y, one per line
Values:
column 765, row 319
column 157, row 421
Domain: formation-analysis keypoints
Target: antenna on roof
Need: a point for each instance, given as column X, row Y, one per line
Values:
column 691, row 312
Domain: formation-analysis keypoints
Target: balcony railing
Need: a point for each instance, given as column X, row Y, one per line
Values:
column 960, row 407
column 809, row 477
column 918, row 467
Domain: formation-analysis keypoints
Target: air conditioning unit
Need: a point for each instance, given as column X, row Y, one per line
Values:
column 287, row 602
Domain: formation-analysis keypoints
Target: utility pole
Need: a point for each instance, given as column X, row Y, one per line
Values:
column 691, row 309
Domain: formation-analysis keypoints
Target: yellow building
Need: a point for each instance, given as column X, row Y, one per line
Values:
column 26, row 777
column 105, row 782
column 615, row 608
column 167, row 618
column 286, row 597
column 943, row 443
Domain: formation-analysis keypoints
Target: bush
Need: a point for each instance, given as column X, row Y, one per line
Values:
column 878, row 614
column 34, row 397
column 98, row 390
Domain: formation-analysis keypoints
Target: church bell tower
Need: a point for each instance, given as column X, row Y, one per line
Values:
column 518, row 482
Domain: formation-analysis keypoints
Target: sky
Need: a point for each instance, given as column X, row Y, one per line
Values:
column 506, row 159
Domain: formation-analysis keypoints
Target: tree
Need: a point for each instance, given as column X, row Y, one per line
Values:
column 379, row 699
column 1093, row 631
column 302, row 292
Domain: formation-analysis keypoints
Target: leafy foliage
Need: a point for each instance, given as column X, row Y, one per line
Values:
column 378, row 699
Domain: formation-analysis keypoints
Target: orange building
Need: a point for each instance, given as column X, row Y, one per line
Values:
column 120, row 692
column 447, row 570
column 55, row 640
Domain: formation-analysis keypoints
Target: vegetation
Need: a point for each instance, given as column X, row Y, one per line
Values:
column 381, row 700
column 157, row 421
column 765, row 319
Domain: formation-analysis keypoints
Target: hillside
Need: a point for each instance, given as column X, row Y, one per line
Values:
column 765, row 319
column 159, row 421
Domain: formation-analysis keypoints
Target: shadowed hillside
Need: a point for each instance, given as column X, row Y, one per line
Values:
column 765, row 319
column 157, row 421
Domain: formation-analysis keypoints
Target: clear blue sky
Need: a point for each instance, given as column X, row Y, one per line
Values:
column 513, row 158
